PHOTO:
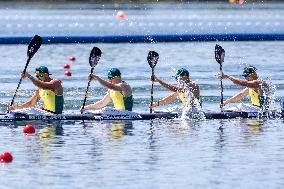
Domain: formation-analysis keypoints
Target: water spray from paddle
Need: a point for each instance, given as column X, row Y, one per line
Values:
column 192, row 108
column 269, row 90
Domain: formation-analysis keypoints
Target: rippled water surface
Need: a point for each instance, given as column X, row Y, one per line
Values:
column 239, row 153
column 144, row 154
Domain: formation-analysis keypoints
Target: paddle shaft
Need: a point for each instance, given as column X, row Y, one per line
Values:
column 222, row 89
column 12, row 102
column 86, row 93
column 152, row 92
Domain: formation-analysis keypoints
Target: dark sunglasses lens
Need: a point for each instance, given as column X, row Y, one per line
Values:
column 39, row 76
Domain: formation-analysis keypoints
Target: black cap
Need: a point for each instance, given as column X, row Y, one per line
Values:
column 248, row 70
column 182, row 72
column 113, row 72
column 43, row 69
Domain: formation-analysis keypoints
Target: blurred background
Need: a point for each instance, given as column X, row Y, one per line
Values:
column 238, row 153
column 140, row 21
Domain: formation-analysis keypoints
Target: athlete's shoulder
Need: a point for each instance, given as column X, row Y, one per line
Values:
column 56, row 81
column 123, row 83
column 193, row 84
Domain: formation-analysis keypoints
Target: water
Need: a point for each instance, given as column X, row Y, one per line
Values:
column 156, row 154
column 239, row 153
column 198, row 58
column 83, row 19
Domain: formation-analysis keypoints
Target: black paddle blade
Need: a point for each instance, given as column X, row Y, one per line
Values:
column 95, row 56
column 219, row 54
column 152, row 58
column 34, row 46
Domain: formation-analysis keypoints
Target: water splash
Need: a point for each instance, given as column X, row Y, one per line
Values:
column 192, row 108
column 269, row 92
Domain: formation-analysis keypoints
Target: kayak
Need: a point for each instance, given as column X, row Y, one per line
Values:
column 10, row 117
column 18, row 116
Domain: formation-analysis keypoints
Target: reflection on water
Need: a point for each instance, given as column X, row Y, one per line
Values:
column 120, row 128
column 220, row 142
column 247, row 132
column 250, row 129
column 116, row 128
column 185, row 126
column 154, row 154
column 253, row 125
column 38, row 146
column 48, row 132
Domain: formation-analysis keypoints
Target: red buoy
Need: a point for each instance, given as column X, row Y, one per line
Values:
column 6, row 157
column 67, row 73
column 29, row 129
column 72, row 58
column 66, row 66
column 120, row 15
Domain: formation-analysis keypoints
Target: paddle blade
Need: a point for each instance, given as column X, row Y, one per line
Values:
column 95, row 56
column 152, row 58
column 34, row 46
column 219, row 54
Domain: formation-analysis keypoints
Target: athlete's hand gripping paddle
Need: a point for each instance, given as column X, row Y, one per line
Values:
column 152, row 59
column 94, row 58
column 219, row 57
column 34, row 45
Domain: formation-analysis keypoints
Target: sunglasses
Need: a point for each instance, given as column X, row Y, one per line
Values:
column 248, row 75
column 38, row 74
column 110, row 78
column 179, row 77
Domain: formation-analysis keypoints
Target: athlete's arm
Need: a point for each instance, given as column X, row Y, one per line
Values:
column 51, row 85
column 126, row 89
column 244, row 83
column 166, row 85
column 99, row 104
column 30, row 103
column 108, row 84
column 167, row 100
column 237, row 97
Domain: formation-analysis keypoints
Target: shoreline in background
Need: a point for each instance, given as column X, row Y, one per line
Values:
column 147, row 4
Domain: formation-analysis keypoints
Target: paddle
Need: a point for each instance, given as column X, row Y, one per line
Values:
column 219, row 57
column 34, row 45
column 93, row 61
column 152, row 59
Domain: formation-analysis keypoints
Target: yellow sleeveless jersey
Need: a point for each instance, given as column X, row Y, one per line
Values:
column 182, row 98
column 256, row 98
column 121, row 102
column 51, row 101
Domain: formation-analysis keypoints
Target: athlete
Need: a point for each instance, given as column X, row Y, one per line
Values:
column 119, row 92
column 49, row 90
column 255, row 87
column 184, row 87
